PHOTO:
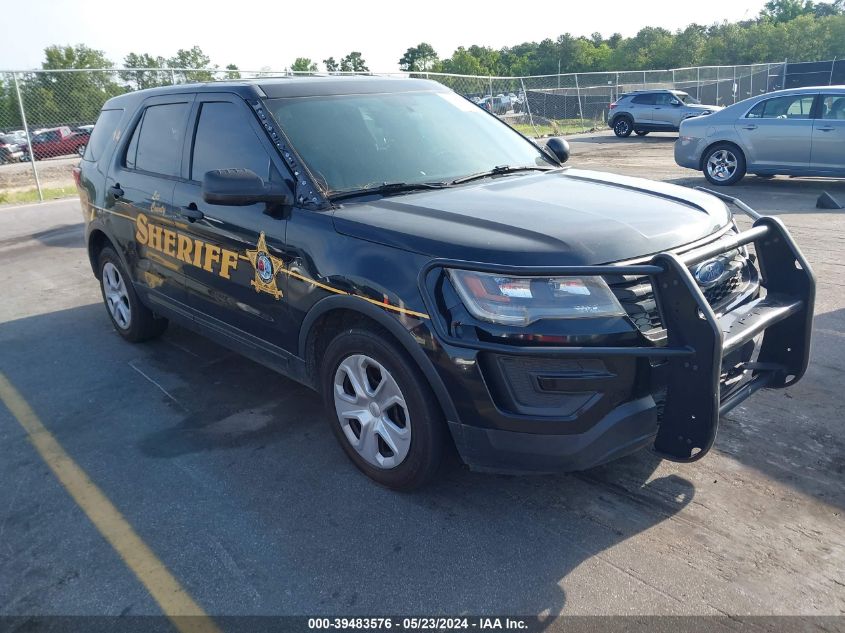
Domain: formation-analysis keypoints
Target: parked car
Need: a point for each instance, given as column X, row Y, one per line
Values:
column 58, row 141
column 797, row 132
column 644, row 111
column 10, row 149
column 496, row 105
column 454, row 283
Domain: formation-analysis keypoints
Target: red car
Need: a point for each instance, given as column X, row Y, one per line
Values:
column 58, row 141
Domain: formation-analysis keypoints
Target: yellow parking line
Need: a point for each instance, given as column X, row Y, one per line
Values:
column 164, row 588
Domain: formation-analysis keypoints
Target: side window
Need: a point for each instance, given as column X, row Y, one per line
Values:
column 224, row 139
column 156, row 144
column 663, row 98
column 833, row 107
column 790, row 107
column 756, row 112
column 643, row 100
column 104, row 130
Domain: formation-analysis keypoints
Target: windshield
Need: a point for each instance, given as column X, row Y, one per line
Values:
column 358, row 141
column 683, row 96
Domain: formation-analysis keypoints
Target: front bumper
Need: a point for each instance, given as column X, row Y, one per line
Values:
column 605, row 402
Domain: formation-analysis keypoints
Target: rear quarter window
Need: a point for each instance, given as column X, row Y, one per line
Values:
column 103, row 131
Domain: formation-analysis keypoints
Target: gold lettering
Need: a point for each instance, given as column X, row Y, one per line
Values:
column 183, row 248
column 230, row 261
column 155, row 236
column 212, row 254
column 169, row 243
column 198, row 244
column 141, row 229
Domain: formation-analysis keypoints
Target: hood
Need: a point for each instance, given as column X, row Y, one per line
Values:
column 703, row 106
column 564, row 217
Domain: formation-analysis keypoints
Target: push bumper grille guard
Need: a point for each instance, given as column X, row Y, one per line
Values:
column 697, row 340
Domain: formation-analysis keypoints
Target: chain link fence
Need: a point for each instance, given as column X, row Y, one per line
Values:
column 46, row 116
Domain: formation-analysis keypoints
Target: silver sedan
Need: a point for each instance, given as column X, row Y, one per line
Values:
column 799, row 132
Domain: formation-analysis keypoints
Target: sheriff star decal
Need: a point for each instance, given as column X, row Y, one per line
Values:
column 266, row 266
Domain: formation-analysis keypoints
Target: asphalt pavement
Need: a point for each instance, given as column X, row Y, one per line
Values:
column 230, row 474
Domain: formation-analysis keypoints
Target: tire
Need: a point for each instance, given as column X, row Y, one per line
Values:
column 723, row 164
column 399, row 445
column 81, row 149
column 134, row 321
column 640, row 132
column 623, row 126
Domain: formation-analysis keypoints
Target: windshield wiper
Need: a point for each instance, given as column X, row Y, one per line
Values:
column 387, row 189
column 500, row 169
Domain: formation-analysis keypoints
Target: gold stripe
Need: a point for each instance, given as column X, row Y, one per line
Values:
column 380, row 304
column 290, row 273
column 164, row 588
column 151, row 254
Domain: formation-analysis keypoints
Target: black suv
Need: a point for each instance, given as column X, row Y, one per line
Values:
column 436, row 276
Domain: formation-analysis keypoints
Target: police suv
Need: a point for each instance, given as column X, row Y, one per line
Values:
column 436, row 276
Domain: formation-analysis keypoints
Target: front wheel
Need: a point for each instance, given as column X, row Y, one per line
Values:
column 386, row 417
column 724, row 164
column 623, row 127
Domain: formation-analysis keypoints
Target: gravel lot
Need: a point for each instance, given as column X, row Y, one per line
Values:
column 231, row 476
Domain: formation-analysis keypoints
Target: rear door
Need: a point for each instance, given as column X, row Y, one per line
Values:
column 777, row 133
column 139, row 197
column 828, row 149
column 238, row 287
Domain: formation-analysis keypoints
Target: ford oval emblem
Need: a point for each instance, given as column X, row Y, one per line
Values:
column 710, row 272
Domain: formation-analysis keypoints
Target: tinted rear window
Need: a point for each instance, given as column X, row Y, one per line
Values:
column 103, row 131
column 156, row 145
column 643, row 100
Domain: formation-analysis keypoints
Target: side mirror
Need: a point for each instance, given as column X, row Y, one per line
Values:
column 240, row 187
column 558, row 147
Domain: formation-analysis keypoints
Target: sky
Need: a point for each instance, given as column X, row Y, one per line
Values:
column 256, row 34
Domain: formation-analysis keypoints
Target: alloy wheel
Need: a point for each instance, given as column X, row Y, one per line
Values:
column 372, row 411
column 117, row 297
column 722, row 165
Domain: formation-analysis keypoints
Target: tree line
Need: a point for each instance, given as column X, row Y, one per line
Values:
column 797, row 30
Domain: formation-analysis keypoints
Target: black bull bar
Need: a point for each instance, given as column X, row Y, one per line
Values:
column 697, row 339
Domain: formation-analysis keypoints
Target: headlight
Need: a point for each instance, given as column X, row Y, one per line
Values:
column 523, row 300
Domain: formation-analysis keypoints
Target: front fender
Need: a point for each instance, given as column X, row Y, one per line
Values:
column 399, row 326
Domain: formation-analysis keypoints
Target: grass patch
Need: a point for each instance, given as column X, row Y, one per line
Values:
column 557, row 127
column 31, row 195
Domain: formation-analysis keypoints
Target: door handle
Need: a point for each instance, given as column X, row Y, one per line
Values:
column 749, row 127
column 191, row 213
column 828, row 128
column 116, row 191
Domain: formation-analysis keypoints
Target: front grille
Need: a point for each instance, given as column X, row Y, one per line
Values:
column 637, row 296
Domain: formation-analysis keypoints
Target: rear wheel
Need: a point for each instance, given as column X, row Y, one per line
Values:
column 132, row 319
column 724, row 164
column 385, row 416
column 623, row 126
column 640, row 132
